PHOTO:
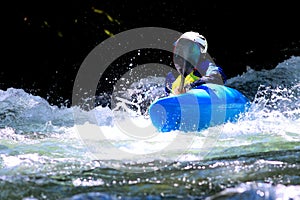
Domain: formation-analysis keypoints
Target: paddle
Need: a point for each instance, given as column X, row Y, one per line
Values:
column 182, row 78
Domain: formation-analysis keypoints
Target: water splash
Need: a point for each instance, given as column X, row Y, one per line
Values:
column 40, row 147
column 29, row 113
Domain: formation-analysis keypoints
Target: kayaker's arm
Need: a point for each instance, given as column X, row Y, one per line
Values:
column 213, row 74
column 215, row 78
column 168, row 83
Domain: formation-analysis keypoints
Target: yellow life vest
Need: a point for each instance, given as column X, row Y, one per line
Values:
column 188, row 79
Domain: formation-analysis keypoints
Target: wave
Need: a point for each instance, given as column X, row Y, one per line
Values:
column 71, row 153
column 271, row 123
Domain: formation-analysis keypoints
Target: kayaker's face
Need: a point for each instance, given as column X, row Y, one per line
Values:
column 186, row 55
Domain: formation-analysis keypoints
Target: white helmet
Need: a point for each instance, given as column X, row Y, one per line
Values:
column 195, row 37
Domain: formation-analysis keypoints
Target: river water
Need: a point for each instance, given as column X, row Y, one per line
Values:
column 44, row 153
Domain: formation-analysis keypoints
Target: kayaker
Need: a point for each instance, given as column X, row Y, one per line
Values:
column 193, row 63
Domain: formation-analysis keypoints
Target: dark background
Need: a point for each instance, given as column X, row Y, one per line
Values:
column 45, row 42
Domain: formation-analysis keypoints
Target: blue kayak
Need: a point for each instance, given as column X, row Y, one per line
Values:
column 202, row 107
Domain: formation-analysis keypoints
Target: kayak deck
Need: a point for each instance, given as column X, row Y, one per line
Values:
column 202, row 107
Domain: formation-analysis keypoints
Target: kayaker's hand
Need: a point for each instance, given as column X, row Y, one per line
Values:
column 176, row 91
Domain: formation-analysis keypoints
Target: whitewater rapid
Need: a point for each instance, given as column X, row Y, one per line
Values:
column 51, row 142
